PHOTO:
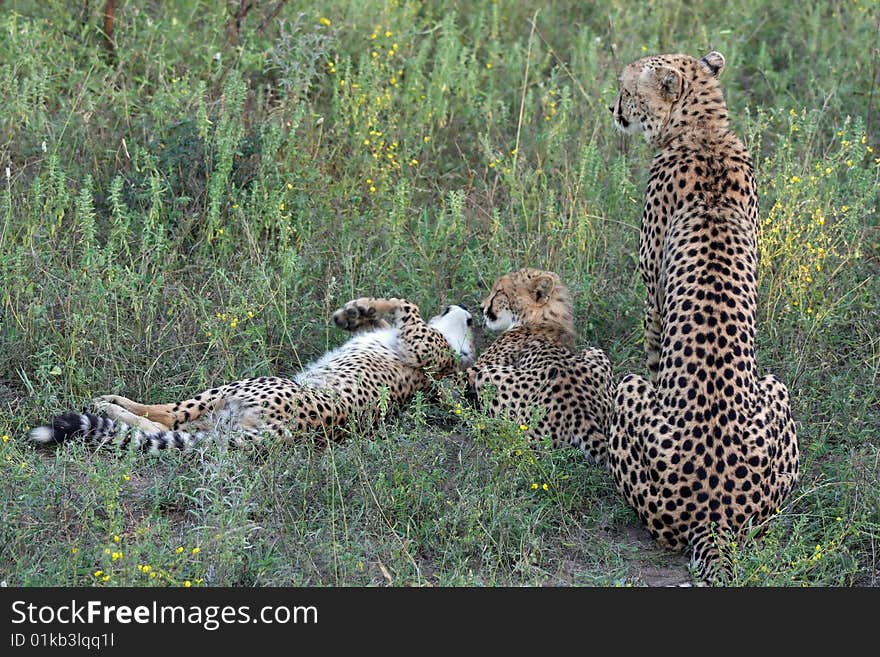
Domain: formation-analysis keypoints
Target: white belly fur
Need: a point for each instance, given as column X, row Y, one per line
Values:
column 380, row 341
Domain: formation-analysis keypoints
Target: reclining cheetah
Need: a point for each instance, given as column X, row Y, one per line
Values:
column 709, row 447
column 382, row 362
column 532, row 366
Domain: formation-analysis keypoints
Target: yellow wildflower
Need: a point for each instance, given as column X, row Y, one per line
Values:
column 326, row 22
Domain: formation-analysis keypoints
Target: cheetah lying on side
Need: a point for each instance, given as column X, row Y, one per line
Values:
column 532, row 366
column 709, row 447
column 382, row 362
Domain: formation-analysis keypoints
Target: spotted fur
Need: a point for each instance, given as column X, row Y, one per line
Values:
column 532, row 369
column 383, row 362
column 706, row 447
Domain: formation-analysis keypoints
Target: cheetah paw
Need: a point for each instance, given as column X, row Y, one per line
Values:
column 353, row 316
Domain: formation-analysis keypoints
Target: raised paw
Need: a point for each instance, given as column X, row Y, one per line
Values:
column 355, row 316
column 367, row 313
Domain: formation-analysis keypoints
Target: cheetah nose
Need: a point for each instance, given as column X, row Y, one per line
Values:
column 490, row 315
column 611, row 109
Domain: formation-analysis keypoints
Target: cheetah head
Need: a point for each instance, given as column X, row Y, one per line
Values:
column 529, row 297
column 661, row 95
column 455, row 324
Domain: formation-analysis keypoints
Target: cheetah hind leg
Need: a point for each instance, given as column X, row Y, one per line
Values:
column 780, row 439
column 633, row 418
column 131, row 413
column 628, row 456
column 190, row 414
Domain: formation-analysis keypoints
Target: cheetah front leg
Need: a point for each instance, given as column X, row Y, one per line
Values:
column 374, row 312
column 363, row 314
column 419, row 345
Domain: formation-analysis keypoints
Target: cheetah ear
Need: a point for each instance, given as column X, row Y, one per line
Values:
column 542, row 289
column 670, row 82
column 714, row 62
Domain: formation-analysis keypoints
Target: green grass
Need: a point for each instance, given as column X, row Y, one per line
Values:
column 190, row 210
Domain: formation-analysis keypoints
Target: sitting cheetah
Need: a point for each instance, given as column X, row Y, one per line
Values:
column 382, row 362
column 708, row 447
column 532, row 369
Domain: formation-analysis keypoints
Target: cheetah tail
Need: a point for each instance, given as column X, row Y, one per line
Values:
column 97, row 430
column 712, row 568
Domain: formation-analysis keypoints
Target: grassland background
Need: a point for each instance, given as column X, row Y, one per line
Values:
column 189, row 209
